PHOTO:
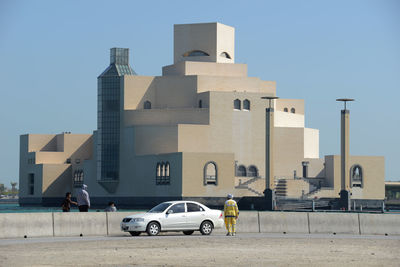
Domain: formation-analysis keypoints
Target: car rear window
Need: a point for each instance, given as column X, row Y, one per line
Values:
column 191, row 207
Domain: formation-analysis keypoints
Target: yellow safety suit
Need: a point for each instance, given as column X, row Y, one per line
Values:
column 231, row 213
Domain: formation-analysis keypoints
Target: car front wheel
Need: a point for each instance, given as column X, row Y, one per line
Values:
column 153, row 228
column 206, row 228
column 134, row 233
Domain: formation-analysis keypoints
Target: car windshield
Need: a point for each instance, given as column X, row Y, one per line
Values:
column 160, row 207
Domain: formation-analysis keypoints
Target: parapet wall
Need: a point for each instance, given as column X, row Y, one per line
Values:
column 19, row 225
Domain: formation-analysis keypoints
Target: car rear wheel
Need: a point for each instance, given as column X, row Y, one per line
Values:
column 188, row 232
column 134, row 233
column 153, row 228
column 206, row 228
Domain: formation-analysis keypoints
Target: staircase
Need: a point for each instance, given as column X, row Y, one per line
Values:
column 280, row 187
column 284, row 187
column 246, row 185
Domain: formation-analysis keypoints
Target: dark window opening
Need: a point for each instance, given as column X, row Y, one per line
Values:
column 225, row 54
column 237, row 104
column 31, row 183
column 147, row 105
column 252, row 172
column 196, row 53
column 246, row 104
column 241, row 171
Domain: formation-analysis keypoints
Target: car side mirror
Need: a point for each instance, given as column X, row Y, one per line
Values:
column 170, row 211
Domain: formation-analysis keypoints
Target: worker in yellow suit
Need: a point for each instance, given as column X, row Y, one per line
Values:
column 231, row 213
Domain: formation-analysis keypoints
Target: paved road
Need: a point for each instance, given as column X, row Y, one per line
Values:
column 197, row 250
column 178, row 236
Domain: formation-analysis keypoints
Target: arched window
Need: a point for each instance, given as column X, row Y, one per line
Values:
column 210, row 173
column 356, row 176
column 237, row 104
column 158, row 170
column 147, row 105
column 225, row 54
column 292, row 110
column 246, row 104
column 163, row 173
column 253, row 171
column 200, row 103
column 286, row 110
column 167, row 169
column 195, row 53
column 162, row 169
column 78, row 178
column 81, row 176
column 241, row 171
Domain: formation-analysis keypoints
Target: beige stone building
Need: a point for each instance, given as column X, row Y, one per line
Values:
column 197, row 131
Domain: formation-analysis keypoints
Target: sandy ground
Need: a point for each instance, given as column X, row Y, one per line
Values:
column 197, row 250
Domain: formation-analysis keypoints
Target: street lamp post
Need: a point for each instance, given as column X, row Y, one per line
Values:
column 345, row 194
column 269, row 192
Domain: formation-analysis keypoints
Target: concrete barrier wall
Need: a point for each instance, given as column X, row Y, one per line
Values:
column 75, row 224
column 280, row 222
column 18, row 225
column 15, row 225
column 340, row 223
column 246, row 223
column 375, row 224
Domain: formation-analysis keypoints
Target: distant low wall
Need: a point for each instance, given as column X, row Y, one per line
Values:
column 19, row 225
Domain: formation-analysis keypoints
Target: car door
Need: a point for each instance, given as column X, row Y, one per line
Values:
column 175, row 217
column 195, row 215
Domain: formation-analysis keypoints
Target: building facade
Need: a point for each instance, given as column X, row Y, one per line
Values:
column 197, row 132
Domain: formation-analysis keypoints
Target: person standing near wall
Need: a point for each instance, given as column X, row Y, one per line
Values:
column 83, row 199
column 111, row 207
column 66, row 205
column 231, row 213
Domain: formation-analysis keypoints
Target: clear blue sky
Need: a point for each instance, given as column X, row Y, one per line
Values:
column 51, row 53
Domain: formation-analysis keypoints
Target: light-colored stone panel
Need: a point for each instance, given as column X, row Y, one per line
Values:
column 246, row 223
column 340, row 223
column 285, row 119
column 376, row 224
column 85, row 223
column 311, row 143
column 279, row 222
column 17, row 225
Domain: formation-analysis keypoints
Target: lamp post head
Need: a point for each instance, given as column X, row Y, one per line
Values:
column 270, row 98
column 345, row 100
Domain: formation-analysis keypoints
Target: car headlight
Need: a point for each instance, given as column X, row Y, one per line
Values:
column 137, row 220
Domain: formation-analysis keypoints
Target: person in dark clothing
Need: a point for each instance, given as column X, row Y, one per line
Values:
column 66, row 205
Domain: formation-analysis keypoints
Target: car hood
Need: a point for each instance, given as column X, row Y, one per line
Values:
column 144, row 215
column 139, row 215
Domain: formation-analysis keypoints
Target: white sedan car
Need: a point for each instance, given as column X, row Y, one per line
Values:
column 186, row 216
